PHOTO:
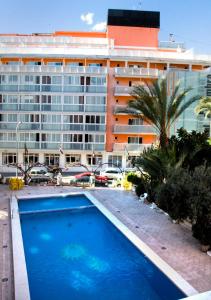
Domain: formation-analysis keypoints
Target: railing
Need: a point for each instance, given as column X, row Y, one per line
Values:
column 148, row 129
column 172, row 45
column 9, row 107
column 136, row 72
column 130, row 147
column 123, row 90
column 53, row 40
column 53, row 69
column 54, row 88
column 13, row 145
column 52, row 145
column 95, row 127
column 95, row 108
column 51, row 127
column 94, row 147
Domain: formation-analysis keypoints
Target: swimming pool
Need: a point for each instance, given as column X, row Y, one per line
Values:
column 73, row 251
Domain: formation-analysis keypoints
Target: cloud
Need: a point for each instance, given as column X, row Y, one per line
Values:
column 87, row 18
column 99, row 26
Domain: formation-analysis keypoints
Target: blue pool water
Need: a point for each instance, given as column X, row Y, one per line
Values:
column 80, row 255
column 52, row 203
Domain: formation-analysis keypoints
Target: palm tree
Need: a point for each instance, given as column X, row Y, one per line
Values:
column 204, row 106
column 161, row 110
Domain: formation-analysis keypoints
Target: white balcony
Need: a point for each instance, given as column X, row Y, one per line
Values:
column 52, row 69
column 139, row 129
column 123, row 90
column 136, row 72
column 127, row 148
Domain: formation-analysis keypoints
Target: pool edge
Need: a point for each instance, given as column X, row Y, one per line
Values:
column 21, row 285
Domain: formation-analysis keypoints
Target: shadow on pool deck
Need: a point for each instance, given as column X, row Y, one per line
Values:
column 172, row 242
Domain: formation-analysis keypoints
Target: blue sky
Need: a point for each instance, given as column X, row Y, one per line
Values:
column 188, row 20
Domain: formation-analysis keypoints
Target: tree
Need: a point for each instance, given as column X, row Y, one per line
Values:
column 204, row 106
column 161, row 110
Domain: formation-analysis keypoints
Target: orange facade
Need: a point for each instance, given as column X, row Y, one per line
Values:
column 133, row 36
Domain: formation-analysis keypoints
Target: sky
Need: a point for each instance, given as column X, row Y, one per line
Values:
column 188, row 20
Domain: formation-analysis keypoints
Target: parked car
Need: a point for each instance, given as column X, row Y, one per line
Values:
column 112, row 173
column 85, row 177
column 67, row 177
column 40, row 174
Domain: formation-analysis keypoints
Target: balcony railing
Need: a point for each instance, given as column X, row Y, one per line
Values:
column 123, row 110
column 53, row 145
column 101, row 89
column 53, row 69
column 136, row 72
column 123, row 90
column 130, row 147
column 125, row 129
column 13, row 145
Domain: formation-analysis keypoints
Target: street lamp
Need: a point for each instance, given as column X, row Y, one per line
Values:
column 17, row 145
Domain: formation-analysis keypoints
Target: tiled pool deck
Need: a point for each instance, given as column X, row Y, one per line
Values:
column 172, row 242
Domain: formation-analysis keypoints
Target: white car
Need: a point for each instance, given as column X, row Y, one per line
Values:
column 112, row 173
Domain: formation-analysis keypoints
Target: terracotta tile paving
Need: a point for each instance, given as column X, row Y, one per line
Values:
column 172, row 242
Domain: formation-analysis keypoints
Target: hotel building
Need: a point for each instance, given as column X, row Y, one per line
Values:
column 69, row 90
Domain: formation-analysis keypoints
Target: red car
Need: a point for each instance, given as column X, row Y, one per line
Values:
column 99, row 180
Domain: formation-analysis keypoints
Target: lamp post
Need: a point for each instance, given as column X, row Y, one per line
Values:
column 17, row 146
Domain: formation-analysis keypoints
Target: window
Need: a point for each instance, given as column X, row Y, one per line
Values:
column 46, row 79
column 54, row 63
column 51, row 159
column 56, row 79
column 95, row 65
column 73, row 99
column 2, row 79
column 34, row 63
column 93, row 119
column 134, row 140
column 30, row 158
column 72, row 158
column 46, row 99
column 72, row 80
column 12, row 79
column 115, row 160
column 74, row 119
column 96, row 100
column 30, row 118
column 95, row 80
column 136, row 121
column 93, row 159
column 8, row 158
column 12, row 118
column 73, row 138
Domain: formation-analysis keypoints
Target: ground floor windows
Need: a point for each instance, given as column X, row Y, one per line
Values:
column 30, row 158
column 72, row 158
column 115, row 160
column 94, row 160
column 8, row 158
column 51, row 159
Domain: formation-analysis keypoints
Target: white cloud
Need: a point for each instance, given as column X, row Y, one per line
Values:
column 87, row 18
column 99, row 26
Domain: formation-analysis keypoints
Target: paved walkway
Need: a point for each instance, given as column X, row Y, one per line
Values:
column 172, row 242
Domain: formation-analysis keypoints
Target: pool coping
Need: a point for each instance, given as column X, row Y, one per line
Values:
column 21, row 278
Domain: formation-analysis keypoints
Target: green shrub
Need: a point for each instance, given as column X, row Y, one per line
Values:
column 172, row 196
column 188, row 195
